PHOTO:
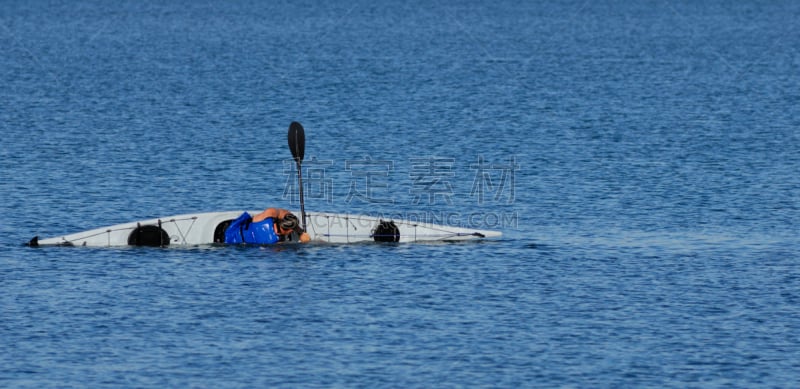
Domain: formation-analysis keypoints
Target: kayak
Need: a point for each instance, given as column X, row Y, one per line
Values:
column 209, row 228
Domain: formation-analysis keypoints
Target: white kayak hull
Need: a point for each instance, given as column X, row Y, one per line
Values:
column 208, row 228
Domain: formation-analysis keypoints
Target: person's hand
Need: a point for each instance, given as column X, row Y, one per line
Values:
column 304, row 238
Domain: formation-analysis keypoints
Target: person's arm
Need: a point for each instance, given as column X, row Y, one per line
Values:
column 282, row 213
column 274, row 213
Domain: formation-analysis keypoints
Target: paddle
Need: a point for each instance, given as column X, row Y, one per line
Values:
column 297, row 144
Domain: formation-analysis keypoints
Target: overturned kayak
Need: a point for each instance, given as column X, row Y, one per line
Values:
column 209, row 228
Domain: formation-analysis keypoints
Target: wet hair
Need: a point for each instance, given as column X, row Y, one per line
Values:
column 289, row 222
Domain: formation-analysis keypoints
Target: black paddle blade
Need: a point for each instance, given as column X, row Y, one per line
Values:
column 297, row 141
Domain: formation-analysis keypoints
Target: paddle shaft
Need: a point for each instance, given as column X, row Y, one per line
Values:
column 300, row 184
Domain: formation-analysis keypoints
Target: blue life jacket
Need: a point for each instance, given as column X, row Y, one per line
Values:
column 244, row 230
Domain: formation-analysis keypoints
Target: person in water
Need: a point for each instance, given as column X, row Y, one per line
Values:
column 284, row 221
column 271, row 226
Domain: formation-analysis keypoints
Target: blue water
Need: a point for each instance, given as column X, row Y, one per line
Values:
column 641, row 158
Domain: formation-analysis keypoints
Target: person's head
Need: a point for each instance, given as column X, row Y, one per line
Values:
column 288, row 224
